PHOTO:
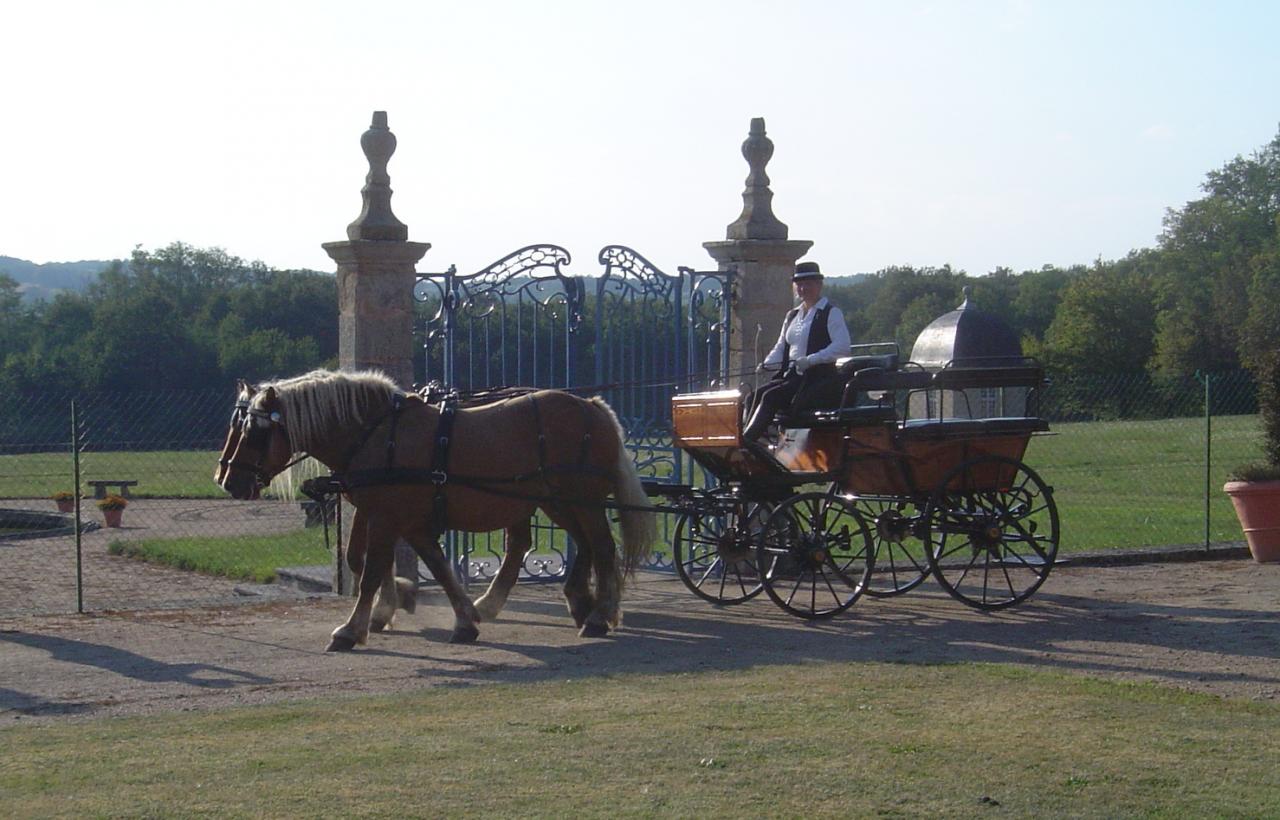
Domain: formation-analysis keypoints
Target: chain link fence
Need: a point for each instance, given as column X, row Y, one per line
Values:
column 180, row 540
column 1138, row 462
column 1134, row 462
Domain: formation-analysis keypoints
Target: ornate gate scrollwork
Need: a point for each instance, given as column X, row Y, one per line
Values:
column 522, row 320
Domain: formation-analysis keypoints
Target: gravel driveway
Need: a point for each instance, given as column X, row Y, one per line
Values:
column 1211, row 626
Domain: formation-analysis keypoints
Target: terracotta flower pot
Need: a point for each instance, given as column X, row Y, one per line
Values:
column 1257, row 506
column 66, row 505
column 112, row 517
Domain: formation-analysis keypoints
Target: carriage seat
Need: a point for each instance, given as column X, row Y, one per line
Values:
column 837, row 402
column 990, row 371
column 849, row 365
column 861, row 415
column 933, row 429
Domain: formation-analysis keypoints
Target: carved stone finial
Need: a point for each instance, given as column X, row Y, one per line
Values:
column 757, row 220
column 376, row 221
column 967, row 291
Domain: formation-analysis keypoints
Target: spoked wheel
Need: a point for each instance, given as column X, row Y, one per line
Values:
column 900, row 533
column 995, row 532
column 816, row 555
column 715, row 552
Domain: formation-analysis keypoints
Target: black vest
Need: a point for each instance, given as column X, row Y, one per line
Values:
column 819, row 333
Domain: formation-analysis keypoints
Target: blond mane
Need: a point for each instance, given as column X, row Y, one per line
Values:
column 317, row 401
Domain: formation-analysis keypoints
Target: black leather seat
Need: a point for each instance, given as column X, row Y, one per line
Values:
column 923, row 429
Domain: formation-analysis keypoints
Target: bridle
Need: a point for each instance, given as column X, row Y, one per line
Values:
column 238, row 414
column 258, row 426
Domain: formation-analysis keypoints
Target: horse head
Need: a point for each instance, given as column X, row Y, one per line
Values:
column 259, row 446
column 244, row 394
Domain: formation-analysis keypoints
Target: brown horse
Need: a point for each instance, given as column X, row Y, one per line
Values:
column 395, row 592
column 547, row 450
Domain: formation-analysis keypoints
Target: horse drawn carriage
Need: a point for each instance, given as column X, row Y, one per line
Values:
column 908, row 472
column 911, row 472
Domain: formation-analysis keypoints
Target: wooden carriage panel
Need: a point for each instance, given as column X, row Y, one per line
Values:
column 707, row 419
column 931, row 460
column 873, row 465
column 917, row 466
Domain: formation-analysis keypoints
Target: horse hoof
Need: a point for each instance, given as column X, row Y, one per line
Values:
column 580, row 614
column 466, row 634
column 593, row 630
column 406, row 594
column 377, row 626
column 338, row 644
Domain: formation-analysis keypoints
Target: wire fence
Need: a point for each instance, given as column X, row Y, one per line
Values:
column 1133, row 463
column 179, row 541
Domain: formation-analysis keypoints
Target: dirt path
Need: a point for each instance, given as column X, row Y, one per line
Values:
column 1209, row 627
column 40, row 573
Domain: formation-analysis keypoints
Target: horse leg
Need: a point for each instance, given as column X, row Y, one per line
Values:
column 577, row 586
column 607, row 613
column 378, row 564
column 357, row 542
column 464, row 612
column 394, row 593
column 519, row 540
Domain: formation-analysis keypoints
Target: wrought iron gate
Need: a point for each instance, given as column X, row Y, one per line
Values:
column 633, row 334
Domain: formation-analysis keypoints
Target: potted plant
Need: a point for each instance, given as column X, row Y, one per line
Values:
column 112, row 509
column 65, row 500
column 1255, row 488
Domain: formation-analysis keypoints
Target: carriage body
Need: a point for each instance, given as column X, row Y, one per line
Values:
column 929, row 492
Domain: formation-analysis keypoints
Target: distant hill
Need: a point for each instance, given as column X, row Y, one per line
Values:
column 44, row 281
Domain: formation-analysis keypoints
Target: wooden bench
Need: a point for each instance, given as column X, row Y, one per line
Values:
column 100, row 487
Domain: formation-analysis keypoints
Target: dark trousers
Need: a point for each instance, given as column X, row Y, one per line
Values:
column 770, row 400
column 820, row 386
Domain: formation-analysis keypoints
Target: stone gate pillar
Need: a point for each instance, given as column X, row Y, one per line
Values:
column 756, row 245
column 375, row 285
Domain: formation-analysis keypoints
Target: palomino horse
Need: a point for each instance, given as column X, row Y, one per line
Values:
column 395, row 593
column 547, row 450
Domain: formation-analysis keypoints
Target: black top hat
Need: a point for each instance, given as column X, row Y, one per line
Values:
column 806, row 271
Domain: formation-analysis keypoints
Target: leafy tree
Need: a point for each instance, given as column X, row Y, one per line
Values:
column 1037, row 298
column 1104, row 324
column 1208, row 263
column 262, row 354
column 1261, row 331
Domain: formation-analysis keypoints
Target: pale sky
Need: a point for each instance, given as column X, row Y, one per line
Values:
column 978, row 134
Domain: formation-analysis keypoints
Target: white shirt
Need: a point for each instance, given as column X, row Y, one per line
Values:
column 794, row 337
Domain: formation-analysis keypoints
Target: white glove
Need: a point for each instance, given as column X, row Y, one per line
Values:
column 802, row 364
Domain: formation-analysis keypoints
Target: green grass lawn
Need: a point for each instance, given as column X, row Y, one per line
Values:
column 809, row 740
column 245, row 557
column 160, row 474
column 1139, row 483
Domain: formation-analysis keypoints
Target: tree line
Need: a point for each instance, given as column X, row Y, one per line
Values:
column 179, row 317
column 1205, row 298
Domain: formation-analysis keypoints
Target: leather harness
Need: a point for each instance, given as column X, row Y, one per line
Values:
column 438, row 473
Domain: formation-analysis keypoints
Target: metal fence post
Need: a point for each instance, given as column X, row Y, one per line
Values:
column 1208, row 454
column 75, row 483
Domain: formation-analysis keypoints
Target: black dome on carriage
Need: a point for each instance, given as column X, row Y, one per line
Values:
column 964, row 333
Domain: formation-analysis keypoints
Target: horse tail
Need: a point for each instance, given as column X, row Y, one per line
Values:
column 639, row 525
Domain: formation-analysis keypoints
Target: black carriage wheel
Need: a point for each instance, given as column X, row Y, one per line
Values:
column 900, row 532
column 816, row 555
column 995, row 532
column 715, row 552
